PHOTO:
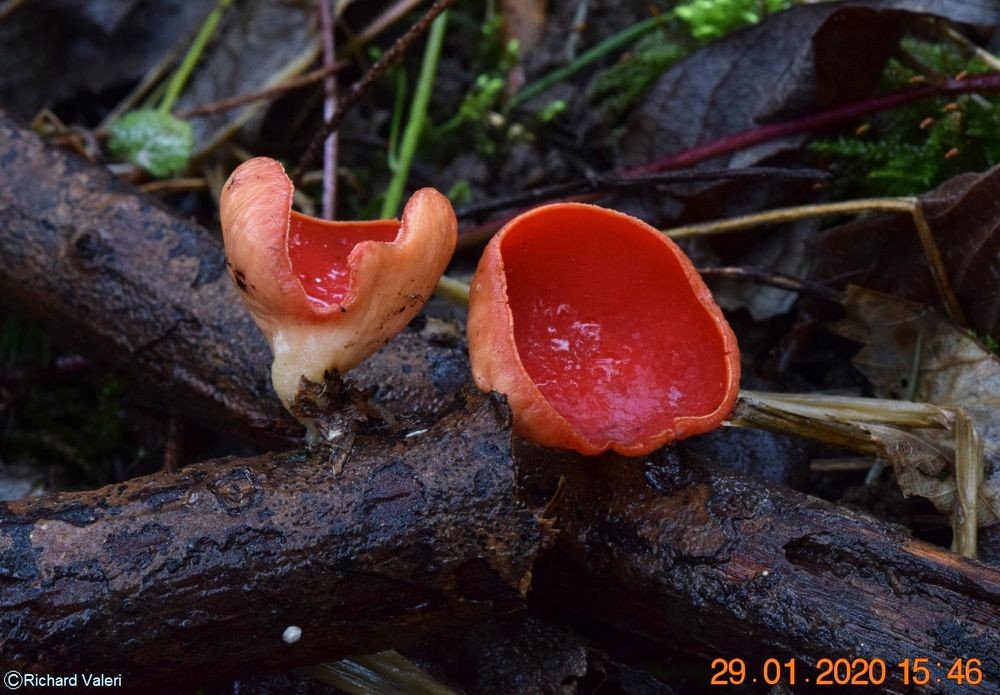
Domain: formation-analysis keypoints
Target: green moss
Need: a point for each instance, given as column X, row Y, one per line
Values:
column 475, row 122
column 619, row 87
column 909, row 150
column 710, row 19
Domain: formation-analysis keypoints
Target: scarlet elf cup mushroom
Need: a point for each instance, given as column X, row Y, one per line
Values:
column 600, row 332
column 328, row 294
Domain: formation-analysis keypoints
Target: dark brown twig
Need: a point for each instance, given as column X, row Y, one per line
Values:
column 779, row 280
column 277, row 90
column 359, row 88
column 755, row 136
column 604, row 184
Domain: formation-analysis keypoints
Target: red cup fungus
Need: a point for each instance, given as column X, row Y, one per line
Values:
column 600, row 332
column 328, row 294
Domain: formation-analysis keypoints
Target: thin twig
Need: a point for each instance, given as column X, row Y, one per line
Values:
column 908, row 205
column 359, row 88
column 181, row 185
column 330, row 145
column 390, row 16
column 755, row 136
column 938, row 270
column 266, row 93
column 603, row 184
column 850, row 112
column 843, row 464
column 779, row 280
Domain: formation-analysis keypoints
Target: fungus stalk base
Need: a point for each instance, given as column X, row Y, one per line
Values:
column 302, row 351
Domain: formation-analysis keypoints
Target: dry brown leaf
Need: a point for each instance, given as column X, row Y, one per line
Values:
column 923, row 461
column 523, row 21
column 806, row 59
column 883, row 253
column 259, row 44
column 810, row 57
column 952, row 369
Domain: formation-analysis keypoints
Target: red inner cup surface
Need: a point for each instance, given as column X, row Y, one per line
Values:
column 318, row 251
column 607, row 326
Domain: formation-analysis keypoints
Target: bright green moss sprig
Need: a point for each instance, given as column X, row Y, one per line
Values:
column 710, row 19
column 909, row 150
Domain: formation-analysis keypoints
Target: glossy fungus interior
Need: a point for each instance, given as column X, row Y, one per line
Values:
column 318, row 251
column 607, row 326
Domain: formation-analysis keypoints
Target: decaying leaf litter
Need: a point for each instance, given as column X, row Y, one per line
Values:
column 697, row 80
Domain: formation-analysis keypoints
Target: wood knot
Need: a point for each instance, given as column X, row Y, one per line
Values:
column 236, row 490
column 89, row 250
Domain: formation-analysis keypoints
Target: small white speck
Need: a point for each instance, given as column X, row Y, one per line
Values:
column 415, row 433
column 291, row 634
column 765, row 573
column 334, row 434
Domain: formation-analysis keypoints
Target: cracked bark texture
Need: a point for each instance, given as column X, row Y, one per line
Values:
column 194, row 575
column 644, row 548
column 142, row 291
column 690, row 556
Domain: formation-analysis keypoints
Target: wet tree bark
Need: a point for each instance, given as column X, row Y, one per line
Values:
column 144, row 292
column 156, row 573
column 195, row 575
column 689, row 556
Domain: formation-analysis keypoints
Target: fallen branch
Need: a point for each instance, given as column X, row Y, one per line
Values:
column 700, row 559
column 142, row 291
column 652, row 549
column 199, row 574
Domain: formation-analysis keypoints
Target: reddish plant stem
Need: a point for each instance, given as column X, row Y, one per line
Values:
column 476, row 234
column 330, row 145
column 834, row 116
